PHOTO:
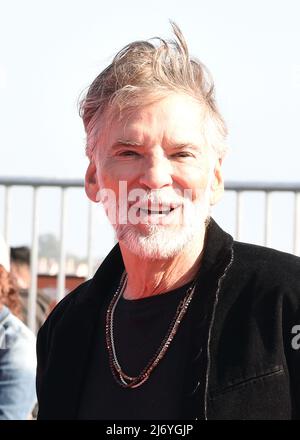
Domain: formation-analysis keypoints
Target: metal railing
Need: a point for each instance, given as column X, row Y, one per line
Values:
column 268, row 189
column 36, row 184
column 239, row 188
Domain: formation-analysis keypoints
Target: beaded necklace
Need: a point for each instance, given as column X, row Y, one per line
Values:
column 123, row 379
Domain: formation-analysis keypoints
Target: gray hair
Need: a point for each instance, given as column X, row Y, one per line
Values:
column 144, row 72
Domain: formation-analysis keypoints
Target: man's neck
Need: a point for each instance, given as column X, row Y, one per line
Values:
column 148, row 277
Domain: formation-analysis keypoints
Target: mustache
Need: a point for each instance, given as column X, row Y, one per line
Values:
column 156, row 198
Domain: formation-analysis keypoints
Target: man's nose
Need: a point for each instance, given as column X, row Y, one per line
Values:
column 157, row 173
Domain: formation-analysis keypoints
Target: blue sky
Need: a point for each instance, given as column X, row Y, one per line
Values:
column 52, row 50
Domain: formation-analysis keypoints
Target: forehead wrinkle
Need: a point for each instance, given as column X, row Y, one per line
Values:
column 145, row 129
column 126, row 142
column 181, row 145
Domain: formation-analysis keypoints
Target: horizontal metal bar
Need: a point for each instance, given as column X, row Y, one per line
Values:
column 41, row 181
column 230, row 185
column 262, row 186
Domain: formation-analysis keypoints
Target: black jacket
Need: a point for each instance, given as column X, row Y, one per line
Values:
column 253, row 351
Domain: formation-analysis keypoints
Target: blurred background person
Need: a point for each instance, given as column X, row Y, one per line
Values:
column 17, row 349
column 20, row 271
column 20, row 266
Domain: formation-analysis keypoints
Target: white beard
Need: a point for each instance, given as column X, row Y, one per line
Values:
column 161, row 242
column 166, row 241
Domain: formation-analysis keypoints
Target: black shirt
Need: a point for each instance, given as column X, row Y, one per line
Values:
column 172, row 391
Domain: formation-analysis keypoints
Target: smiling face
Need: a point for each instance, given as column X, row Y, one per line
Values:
column 160, row 153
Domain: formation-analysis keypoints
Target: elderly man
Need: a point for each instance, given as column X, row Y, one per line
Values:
column 180, row 321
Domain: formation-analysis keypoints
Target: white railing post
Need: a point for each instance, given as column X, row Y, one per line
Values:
column 33, row 263
column 89, row 240
column 297, row 224
column 238, row 215
column 61, row 278
column 7, row 211
column 267, row 218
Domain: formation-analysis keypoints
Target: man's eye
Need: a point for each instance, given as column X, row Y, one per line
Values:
column 128, row 153
column 183, row 154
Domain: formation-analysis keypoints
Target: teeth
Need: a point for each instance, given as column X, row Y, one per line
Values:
column 157, row 212
column 152, row 211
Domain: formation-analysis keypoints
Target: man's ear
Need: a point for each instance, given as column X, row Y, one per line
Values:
column 91, row 182
column 217, row 185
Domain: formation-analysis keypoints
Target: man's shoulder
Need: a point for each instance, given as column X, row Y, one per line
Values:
column 267, row 262
column 73, row 296
column 61, row 308
column 86, row 294
column 261, row 254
